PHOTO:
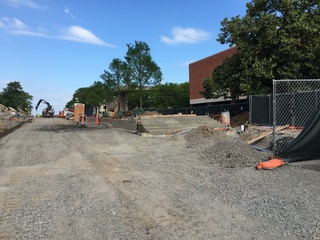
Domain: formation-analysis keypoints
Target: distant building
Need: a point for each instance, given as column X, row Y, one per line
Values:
column 118, row 104
column 202, row 69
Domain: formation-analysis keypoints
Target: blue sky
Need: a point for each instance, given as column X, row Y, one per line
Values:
column 54, row 47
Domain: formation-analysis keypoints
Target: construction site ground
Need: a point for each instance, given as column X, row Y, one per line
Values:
column 62, row 181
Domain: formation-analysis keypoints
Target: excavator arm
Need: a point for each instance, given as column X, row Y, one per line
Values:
column 48, row 111
column 43, row 101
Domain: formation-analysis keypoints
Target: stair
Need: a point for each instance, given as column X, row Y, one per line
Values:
column 166, row 124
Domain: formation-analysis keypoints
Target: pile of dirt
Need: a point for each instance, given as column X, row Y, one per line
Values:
column 150, row 113
column 3, row 120
column 202, row 135
column 3, row 108
column 216, row 147
column 240, row 119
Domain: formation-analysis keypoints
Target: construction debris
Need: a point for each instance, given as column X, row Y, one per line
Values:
column 270, row 164
column 269, row 132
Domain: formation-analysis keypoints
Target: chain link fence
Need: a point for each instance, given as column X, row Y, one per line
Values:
column 294, row 104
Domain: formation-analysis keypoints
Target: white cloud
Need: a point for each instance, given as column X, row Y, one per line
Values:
column 79, row 34
column 73, row 33
column 23, row 3
column 67, row 11
column 29, row 33
column 187, row 63
column 15, row 26
column 186, row 35
column 12, row 24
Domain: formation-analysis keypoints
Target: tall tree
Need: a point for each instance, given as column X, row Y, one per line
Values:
column 170, row 95
column 99, row 94
column 162, row 96
column 118, row 76
column 133, row 99
column 276, row 39
column 225, row 80
column 183, row 92
column 14, row 96
column 95, row 95
column 79, row 96
column 143, row 70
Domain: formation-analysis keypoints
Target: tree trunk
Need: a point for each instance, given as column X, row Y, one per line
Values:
column 140, row 91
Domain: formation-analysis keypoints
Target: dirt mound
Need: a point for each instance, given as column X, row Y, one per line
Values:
column 240, row 119
column 232, row 153
column 150, row 113
column 3, row 108
column 203, row 135
column 204, row 132
column 215, row 147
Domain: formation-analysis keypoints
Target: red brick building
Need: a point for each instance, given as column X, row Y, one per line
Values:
column 202, row 69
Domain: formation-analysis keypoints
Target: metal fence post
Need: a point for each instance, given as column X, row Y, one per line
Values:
column 274, row 117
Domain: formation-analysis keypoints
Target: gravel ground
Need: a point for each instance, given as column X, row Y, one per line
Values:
column 59, row 181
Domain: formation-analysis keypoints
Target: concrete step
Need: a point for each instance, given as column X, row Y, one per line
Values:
column 160, row 124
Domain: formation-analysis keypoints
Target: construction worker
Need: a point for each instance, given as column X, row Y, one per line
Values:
column 82, row 120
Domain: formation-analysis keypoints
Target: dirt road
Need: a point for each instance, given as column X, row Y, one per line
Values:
column 58, row 181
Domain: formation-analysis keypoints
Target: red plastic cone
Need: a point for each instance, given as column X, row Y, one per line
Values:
column 97, row 119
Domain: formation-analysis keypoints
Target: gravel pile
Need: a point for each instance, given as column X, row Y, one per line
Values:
column 216, row 147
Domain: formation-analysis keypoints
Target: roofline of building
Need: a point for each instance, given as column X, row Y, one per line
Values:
column 213, row 55
column 211, row 100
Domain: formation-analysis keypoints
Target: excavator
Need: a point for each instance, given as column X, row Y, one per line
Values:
column 48, row 111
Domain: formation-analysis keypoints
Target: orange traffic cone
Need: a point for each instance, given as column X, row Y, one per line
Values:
column 97, row 119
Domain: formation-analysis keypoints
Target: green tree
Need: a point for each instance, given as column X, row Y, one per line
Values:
column 118, row 76
column 80, row 96
column 14, row 96
column 183, row 92
column 224, row 81
column 276, row 39
column 95, row 95
column 142, row 69
column 170, row 95
column 133, row 99
column 99, row 94
column 162, row 96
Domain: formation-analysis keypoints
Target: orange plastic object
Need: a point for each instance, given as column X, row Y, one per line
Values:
column 61, row 114
column 295, row 128
column 271, row 164
column 97, row 119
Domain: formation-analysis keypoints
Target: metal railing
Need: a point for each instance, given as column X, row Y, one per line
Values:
column 294, row 103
